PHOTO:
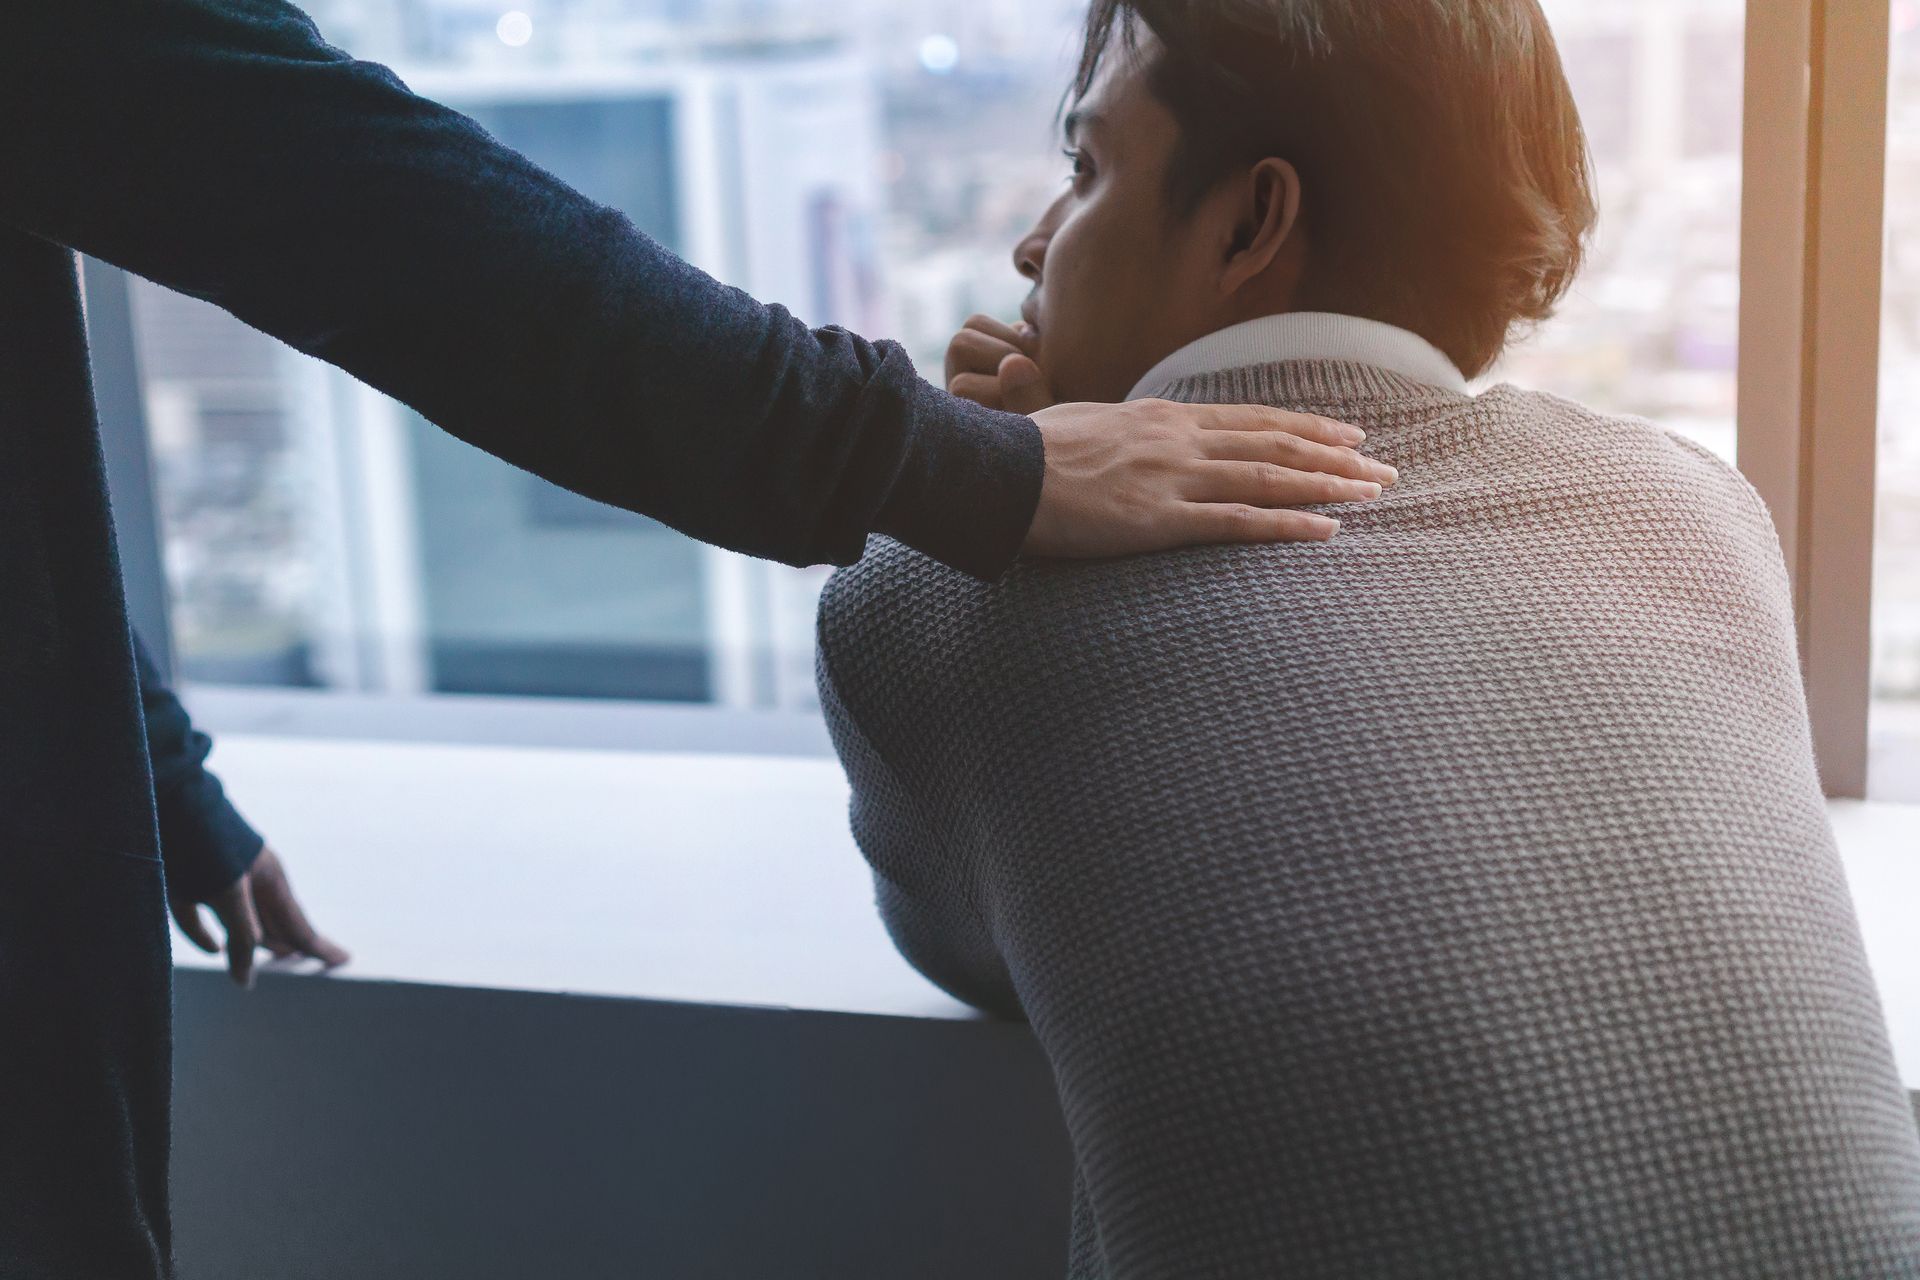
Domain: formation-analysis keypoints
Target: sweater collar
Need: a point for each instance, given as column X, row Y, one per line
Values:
column 1305, row 335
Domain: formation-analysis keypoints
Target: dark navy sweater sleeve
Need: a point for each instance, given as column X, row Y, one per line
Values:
column 204, row 842
column 223, row 149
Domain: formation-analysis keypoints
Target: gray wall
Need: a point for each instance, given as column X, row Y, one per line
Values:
column 336, row 1128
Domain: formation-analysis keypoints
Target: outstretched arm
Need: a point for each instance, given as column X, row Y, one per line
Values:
column 221, row 148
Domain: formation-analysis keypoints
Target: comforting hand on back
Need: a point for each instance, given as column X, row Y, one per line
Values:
column 1150, row 475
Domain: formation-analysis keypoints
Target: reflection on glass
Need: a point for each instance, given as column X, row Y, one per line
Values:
column 869, row 163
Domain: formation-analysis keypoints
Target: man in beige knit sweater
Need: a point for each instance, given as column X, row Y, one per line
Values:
column 1453, row 897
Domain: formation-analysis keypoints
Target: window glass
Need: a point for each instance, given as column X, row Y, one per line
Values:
column 1652, row 326
column 870, row 164
column 1896, row 631
column 228, row 472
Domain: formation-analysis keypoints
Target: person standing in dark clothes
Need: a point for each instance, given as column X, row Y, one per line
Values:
column 222, row 149
column 212, row 856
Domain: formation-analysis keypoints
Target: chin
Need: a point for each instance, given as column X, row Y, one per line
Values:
column 1075, row 382
column 1067, row 384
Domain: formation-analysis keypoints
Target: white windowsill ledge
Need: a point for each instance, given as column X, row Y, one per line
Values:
column 719, row 879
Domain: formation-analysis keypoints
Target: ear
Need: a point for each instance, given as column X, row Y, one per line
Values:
column 1267, row 218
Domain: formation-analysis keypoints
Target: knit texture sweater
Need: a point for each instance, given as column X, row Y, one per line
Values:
column 1452, row 899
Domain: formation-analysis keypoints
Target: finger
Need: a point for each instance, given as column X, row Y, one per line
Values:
column 1259, row 484
column 242, row 922
column 1020, row 336
column 1282, row 450
column 1207, row 523
column 194, row 925
column 972, row 352
column 289, row 932
column 329, row 953
column 1023, row 388
column 982, row 389
column 1255, row 417
column 281, row 924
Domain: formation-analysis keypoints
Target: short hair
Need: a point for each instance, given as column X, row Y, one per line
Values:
column 1447, row 185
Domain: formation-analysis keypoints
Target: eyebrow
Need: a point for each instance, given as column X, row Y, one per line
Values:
column 1079, row 118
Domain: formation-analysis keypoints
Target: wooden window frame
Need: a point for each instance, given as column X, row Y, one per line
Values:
column 1813, row 223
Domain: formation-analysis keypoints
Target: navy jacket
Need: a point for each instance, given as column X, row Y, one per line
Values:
column 221, row 148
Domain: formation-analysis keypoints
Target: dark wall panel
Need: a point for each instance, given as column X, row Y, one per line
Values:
column 336, row 1129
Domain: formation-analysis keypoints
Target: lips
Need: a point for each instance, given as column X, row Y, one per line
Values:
column 1031, row 314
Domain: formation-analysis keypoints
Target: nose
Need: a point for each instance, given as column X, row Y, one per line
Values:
column 1030, row 255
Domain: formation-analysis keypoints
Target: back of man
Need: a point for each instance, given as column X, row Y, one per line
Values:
column 1453, row 898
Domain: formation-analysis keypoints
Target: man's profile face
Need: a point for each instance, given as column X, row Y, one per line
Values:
column 1119, row 281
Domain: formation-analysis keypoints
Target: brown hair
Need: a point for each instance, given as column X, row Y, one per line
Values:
column 1446, row 182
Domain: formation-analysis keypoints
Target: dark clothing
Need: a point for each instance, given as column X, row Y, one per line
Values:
column 204, row 842
column 85, row 1044
column 221, row 148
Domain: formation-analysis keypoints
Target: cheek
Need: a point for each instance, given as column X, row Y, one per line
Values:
column 1084, row 284
column 1104, row 295
column 1064, row 281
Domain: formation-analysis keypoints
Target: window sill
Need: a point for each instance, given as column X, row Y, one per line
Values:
column 1894, row 756
column 709, row 878
column 1882, row 857
column 717, row 879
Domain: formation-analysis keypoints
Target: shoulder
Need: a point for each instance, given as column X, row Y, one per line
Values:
column 1633, row 448
column 879, row 624
column 901, row 621
column 1654, row 493
column 889, row 596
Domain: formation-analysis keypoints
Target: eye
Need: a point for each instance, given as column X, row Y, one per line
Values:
column 1082, row 164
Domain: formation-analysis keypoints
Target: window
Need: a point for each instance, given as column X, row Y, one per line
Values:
column 1652, row 326
column 868, row 169
column 871, row 168
column 1896, row 636
column 872, row 164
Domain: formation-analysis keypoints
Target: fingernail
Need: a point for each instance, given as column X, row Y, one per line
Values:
column 1352, row 435
column 1370, row 489
column 1388, row 474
